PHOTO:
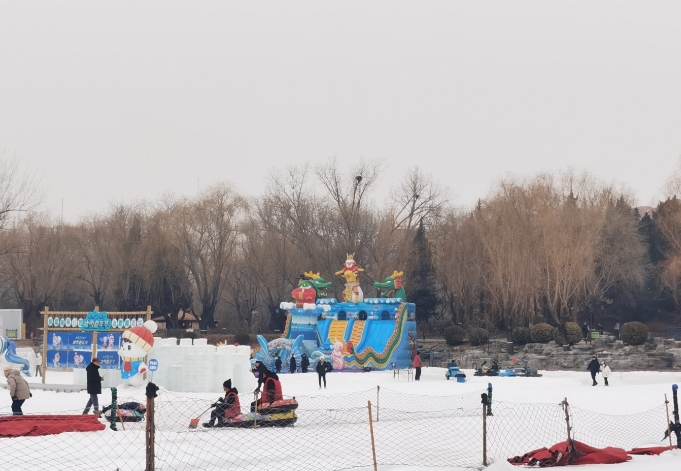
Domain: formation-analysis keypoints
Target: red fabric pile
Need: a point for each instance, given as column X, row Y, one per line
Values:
column 561, row 454
column 35, row 425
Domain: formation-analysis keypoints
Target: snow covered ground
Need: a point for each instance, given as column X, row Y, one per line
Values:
column 628, row 393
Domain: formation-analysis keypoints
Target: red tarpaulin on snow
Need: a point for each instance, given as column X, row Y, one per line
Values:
column 35, row 425
column 653, row 450
column 562, row 454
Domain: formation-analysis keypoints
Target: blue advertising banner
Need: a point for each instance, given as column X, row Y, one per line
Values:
column 80, row 341
column 58, row 341
column 108, row 360
column 79, row 359
column 108, row 341
column 97, row 321
column 57, row 358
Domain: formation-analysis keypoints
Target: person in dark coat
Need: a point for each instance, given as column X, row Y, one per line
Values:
column 263, row 374
column 322, row 368
column 277, row 364
column 94, row 385
column 292, row 364
column 304, row 363
column 585, row 331
column 593, row 368
column 223, row 404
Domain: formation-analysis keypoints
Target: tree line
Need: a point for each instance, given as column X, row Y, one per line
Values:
column 552, row 247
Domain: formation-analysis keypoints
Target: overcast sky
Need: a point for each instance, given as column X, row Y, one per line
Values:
column 122, row 101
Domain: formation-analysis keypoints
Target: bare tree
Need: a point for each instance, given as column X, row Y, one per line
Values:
column 19, row 189
column 348, row 192
column 40, row 266
column 206, row 234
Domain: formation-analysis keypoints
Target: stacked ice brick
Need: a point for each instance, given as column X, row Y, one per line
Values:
column 195, row 366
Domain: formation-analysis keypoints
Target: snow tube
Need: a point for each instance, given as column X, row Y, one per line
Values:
column 280, row 419
column 570, row 453
column 37, row 425
column 276, row 406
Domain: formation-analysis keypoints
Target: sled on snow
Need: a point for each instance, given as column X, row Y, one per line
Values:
column 486, row 371
column 453, row 371
column 280, row 405
column 255, row 419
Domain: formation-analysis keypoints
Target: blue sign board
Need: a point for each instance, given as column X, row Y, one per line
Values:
column 96, row 320
column 57, row 358
column 79, row 359
column 109, row 360
column 58, row 341
column 153, row 365
column 80, row 341
column 108, row 341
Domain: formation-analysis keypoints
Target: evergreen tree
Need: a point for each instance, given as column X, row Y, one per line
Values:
column 421, row 279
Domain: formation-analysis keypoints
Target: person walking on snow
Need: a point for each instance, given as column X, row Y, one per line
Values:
column 94, row 386
column 594, row 367
column 304, row 363
column 416, row 363
column 322, row 368
column 605, row 369
column 19, row 389
column 277, row 364
column 292, row 364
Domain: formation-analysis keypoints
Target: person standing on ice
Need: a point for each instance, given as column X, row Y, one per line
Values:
column 322, row 368
column 292, row 364
column 304, row 363
column 94, row 386
column 594, row 367
column 19, row 389
column 605, row 369
column 277, row 364
column 416, row 363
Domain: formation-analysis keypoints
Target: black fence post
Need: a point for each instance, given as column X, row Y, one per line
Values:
column 485, row 404
column 114, row 408
column 151, row 427
column 489, row 399
column 677, row 425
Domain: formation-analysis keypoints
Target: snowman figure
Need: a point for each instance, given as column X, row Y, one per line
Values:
column 137, row 343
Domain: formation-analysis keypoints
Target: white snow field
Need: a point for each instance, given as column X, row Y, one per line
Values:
column 433, row 424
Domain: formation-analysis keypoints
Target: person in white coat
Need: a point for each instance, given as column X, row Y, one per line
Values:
column 605, row 371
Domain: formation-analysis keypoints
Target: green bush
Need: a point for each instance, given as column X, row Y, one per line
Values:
column 542, row 333
column 478, row 336
column 574, row 333
column 242, row 338
column 634, row 333
column 521, row 335
column 454, row 335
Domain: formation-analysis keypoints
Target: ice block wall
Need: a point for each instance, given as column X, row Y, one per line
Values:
column 199, row 367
